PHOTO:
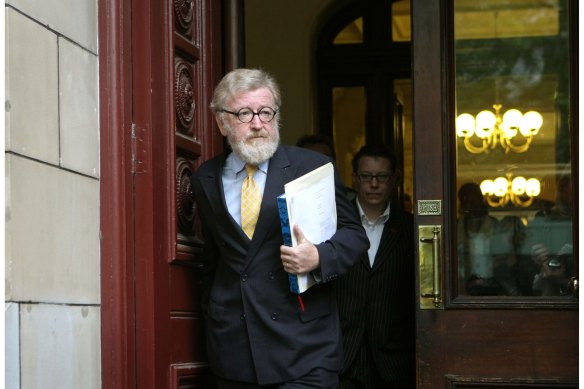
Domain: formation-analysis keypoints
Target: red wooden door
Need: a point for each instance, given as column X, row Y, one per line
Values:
column 159, row 62
column 174, row 131
column 489, row 325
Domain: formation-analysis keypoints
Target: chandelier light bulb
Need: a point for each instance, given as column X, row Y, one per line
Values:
column 512, row 119
column 501, row 186
column 485, row 124
column 487, row 187
column 508, row 131
column 518, row 185
column 531, row 123
column 533, row 187
column 465, row 125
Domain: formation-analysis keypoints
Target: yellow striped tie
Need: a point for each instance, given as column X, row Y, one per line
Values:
column 251, row 200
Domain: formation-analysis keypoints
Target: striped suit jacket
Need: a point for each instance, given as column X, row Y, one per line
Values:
column 377, row 305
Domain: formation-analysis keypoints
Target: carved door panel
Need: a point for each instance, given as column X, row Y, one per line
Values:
column 174, row 132
column 193, row 48
column 195, row 53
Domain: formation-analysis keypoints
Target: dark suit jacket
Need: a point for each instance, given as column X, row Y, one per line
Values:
column 376, row 305
column 255, row 328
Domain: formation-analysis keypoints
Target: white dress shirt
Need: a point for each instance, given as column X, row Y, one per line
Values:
column 374, row 229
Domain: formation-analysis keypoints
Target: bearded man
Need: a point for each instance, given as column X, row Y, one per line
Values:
column 259, row 334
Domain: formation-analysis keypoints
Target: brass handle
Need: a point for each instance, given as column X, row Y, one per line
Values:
column 435, row 241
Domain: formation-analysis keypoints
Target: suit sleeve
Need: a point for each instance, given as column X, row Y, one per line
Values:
column 344, row 248
column 210, row 255
column 210, row 250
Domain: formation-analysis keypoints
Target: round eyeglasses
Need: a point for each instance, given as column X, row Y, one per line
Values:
column 246, row 115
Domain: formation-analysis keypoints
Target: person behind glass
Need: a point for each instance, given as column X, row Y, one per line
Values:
column 376, row 297
column 550, row 242
column 476, row 230
column 258, row 334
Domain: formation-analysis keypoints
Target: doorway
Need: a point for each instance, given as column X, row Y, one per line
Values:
column 363, row 73
column 464, row 340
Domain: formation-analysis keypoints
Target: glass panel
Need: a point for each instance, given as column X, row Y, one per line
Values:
column 514, row 228
column 403, row 93
column 351, row 33
column 401, row 21
column 348, row 127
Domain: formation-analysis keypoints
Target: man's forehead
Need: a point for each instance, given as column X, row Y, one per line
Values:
column 370, row 160
column 260, row 94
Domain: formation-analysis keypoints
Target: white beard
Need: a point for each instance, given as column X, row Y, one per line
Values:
column 254, row 152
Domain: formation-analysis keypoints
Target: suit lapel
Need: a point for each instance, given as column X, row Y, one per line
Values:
column 389, row 238
column 213, row 186
column 365, row 257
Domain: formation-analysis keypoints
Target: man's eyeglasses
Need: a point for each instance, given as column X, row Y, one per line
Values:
column 366, row 177
column 245, row 115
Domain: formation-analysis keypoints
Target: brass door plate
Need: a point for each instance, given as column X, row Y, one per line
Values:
column 429, row 207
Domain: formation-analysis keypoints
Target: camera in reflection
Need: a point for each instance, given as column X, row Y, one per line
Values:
column 557, row 261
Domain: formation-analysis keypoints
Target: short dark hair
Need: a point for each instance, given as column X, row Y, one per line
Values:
column 375, row 150
column 469, row 189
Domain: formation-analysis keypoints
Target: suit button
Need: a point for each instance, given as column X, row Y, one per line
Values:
column 244, row 277
column 275, row 316
column 271, row 275
column 242, row 317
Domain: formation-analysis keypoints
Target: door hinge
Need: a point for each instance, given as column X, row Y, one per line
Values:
column 139, row 149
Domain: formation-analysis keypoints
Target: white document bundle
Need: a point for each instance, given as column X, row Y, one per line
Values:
column 309, row 202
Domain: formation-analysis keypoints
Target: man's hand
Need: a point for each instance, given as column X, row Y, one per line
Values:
column 540, row 254
column 300, row 259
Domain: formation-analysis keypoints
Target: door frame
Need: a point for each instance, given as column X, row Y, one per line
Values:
column 118, row 362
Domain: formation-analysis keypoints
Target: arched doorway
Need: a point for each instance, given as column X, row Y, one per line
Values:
column 363, row 67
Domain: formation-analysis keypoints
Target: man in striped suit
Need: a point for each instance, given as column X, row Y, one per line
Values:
column 376, row 297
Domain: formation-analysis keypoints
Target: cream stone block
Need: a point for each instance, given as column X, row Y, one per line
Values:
column 31, row 89
column 75, row 19
column 60, row 346
column 52, row 234
column 78, row 93
column 11, row 346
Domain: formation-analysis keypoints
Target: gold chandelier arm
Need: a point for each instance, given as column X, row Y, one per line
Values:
column 521, row 203
column 509, row 145
column 501, row 201
column 475, row 149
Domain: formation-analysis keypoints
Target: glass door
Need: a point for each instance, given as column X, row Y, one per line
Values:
column 494, row 176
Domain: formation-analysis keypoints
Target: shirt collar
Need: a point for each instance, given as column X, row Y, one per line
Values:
column 237, row 165
column 382, row 218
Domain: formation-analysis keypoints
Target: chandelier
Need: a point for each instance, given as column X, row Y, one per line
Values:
column 502, row 190
column 491, row 129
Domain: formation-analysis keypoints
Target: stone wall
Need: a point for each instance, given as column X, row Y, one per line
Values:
column 52, row 284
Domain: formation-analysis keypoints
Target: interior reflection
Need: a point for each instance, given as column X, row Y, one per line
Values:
column 514, row 220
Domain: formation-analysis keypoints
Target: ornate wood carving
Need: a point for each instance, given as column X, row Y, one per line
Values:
column 183, row 16
column 184, row 96
column 185, row 203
